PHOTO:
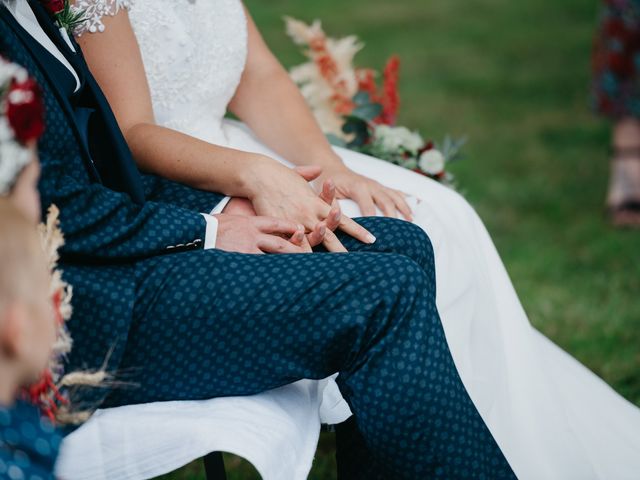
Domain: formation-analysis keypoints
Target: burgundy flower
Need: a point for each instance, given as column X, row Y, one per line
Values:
column 615, row 27
column 53, row 6
column 620, row 64
column 25, row 111
column 429, row 146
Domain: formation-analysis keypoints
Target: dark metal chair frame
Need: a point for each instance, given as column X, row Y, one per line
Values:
column 214, row 466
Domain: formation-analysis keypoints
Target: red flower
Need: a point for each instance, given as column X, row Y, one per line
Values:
column 426, row 148
column 391, row 98
column 615, row 27
column 25, row 111
column 327, row 66
column 53, row 6
column 341, row 104
column 621, row 64
column 367, row 83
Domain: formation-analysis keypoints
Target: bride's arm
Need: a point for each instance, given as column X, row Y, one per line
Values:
column 273, row 189
column 296, row 135
column 116, row 63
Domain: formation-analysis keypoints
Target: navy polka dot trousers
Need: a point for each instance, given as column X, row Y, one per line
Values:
column 210, row 323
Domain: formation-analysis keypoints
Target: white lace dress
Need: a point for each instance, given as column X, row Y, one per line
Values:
column 551, row 416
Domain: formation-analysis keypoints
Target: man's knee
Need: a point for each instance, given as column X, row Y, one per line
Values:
column 403, row 287
column 402, row 237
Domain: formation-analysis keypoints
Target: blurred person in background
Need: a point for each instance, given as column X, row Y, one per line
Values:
column 616, row 91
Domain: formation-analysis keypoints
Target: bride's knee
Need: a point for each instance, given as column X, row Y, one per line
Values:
column 457, row 202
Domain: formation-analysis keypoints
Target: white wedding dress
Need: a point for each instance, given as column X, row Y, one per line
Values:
column 552, row 418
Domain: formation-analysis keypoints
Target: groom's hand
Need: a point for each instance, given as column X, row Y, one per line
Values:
column 243, row 234
column 243, row 207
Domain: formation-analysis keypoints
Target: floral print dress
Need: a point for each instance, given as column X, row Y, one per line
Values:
column 616, row 60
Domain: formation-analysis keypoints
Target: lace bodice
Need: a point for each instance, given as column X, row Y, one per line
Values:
column 194, row 53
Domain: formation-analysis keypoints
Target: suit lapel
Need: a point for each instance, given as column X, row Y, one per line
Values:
column 28, row 42
column 52, row 31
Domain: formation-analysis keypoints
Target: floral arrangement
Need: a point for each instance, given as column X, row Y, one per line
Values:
column 356, row 113
column 21, row 121
column 21, row 125
column 68, row 17
column 47, row 391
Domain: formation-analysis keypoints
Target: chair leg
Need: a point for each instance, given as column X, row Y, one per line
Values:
column 214, row 466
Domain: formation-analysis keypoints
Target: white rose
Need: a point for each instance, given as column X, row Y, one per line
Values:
column 393, row 139
column 432, row 162
column 413, row 142
column 6, row 133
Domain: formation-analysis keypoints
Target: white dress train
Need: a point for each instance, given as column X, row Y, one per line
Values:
column 552, row 418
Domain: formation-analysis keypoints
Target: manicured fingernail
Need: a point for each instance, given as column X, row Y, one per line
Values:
column 371, row 238
column 323, row 230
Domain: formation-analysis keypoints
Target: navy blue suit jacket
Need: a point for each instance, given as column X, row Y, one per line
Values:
column 108, row 223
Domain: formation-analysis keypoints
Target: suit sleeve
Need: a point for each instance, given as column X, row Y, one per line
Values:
column 99, row 223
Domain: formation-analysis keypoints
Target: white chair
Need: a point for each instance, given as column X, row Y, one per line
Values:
column 276, row 431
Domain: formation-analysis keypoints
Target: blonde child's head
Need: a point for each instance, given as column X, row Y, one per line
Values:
column 27, row 322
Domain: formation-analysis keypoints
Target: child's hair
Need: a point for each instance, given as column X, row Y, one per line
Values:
column 21, row 256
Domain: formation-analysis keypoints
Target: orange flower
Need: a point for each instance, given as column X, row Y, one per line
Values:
column 391, row 97
column 367, row 83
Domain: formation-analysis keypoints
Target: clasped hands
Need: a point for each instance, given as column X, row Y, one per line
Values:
column 282, row 213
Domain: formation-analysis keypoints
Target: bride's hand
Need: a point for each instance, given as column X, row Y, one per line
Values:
column 277, row 191
column 366, row 193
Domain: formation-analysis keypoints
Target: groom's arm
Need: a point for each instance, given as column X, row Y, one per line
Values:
column 99, row 223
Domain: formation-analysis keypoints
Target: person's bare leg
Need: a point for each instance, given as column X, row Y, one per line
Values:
column 623, row 198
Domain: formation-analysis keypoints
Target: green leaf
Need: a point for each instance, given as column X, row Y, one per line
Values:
column 362, row 98
column 336, row 141
column 367, row 112
column 358, row 128
column 451, row 148
column 69, row 18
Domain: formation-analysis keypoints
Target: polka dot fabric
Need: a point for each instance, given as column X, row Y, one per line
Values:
column 199, row 324
column 162, row 190
column 28, row 444
column 212, row 323
column 99, row 223
column 105, row 231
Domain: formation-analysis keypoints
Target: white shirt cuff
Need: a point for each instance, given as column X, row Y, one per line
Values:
column 221, row 206
column 211, row 233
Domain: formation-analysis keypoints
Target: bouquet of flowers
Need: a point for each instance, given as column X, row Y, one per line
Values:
column 50, row 392
column 46, row 391
column 356, row 113
column 21, row 120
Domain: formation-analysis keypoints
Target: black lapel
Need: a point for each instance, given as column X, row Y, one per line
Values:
column 76, row 59
column 28, row 43
column 52, row 31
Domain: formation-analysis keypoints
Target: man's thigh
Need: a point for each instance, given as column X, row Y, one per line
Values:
column 213, row 323
column 392, row 236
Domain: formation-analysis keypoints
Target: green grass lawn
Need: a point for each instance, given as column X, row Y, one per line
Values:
column 514, row 77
